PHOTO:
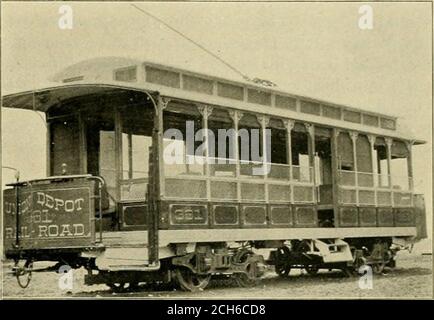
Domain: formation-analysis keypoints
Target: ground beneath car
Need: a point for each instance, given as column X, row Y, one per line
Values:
column 412, row 278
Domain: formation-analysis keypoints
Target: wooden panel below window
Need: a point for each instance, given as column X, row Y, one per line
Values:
column 348, row 217
column 368, row 217
column 281, row 216
column 385, row 217
column 134, row 215
column 305, row 216
column 225, row 215
column 404, row 217
column 254, row 215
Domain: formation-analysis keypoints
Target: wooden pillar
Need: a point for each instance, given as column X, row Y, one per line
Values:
column 118, row 153
column 156, row 181
column 335, row 174
column 375, row 177
column 353, row 136
column 162, row 104
column 389, row 142
column 236, row 117
column 82, row 143
column 311, row 146
column 206, row 111
column 371, row 139
column 289, row 125
column 48, row 149
column 409, row 145
column 130, row 156
column 264, row 121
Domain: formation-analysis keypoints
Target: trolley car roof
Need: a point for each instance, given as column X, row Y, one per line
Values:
column 104, row 75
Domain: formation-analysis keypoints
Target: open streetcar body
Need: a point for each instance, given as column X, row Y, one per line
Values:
column 331, row 191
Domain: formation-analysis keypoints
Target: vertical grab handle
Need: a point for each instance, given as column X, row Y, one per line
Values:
column 17, row 214
column 101, row 184
column 17, row 186
column 100, row 210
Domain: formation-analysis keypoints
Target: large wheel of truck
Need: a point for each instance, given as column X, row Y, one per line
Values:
column 251, row 277
column 190, row 281
column 282, row 267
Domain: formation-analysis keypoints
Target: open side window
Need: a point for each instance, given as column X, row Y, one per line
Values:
column 136, row 124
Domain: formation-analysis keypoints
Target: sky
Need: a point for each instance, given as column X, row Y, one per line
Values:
column 312, row 49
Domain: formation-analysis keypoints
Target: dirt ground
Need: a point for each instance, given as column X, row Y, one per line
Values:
column 412, row 278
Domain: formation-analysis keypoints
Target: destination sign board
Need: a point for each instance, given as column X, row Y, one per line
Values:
column 50, row 215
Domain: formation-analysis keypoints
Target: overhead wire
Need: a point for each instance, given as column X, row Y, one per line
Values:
column 227, row 64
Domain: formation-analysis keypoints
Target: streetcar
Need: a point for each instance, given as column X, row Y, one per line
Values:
column 337, row 192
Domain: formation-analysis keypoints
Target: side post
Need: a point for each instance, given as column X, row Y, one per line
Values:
column 154, row 185
column 335, row 175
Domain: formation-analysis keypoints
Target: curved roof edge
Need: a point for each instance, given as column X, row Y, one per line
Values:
column 44, row 98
